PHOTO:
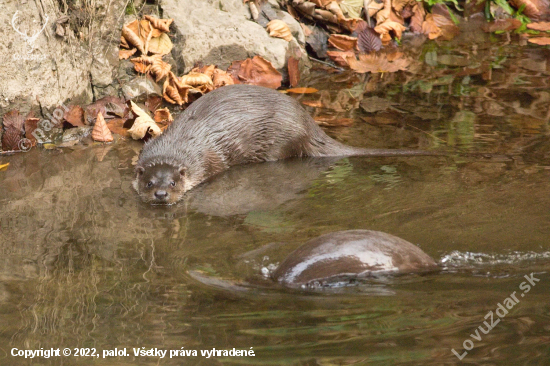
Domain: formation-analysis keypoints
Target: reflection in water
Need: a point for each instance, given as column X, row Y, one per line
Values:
column 85, row 264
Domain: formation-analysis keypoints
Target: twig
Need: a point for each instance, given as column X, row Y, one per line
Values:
column 327, row 64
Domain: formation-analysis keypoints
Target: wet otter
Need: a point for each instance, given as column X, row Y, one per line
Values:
column 349, row 254
column 236, row 124
column 334, row 259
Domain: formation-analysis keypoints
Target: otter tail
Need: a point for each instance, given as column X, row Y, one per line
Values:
column 327, row 146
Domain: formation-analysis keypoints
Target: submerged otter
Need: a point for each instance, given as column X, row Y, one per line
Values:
column 336, row 259
column 345, row 255
column 236, row 124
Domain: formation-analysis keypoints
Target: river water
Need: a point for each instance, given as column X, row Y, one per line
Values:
column 85, row 265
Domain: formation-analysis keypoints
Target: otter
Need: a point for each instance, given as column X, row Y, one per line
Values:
column 344, row 255
column 334, row 259
column 233, row 125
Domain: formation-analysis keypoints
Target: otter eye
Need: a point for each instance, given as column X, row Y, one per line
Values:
column 173, row 184
column 149, row 184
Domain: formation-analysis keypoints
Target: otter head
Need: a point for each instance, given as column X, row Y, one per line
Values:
column 161, row 184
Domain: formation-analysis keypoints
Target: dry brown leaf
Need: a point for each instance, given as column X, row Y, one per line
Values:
column 342, row 42
column 340, row 57
column 302, row 90
column 321, row 3
column 542, row 41
column 305, row 28
column 14, row 125
column 207, row 70
column 255, row 71
column 417, row 18
column 174, row 91
column 333, row 121
column 31, row 124
column 278, row 28
column 101, row 132
column 313, row 103
column 293, row 71
column 125, row 54
column 160, row 24
column 142, row 28
column 163, row 115
column 133, row 39
column 221, row 78
column 376, row 63
column 398, row 5
column 335, row 9
column 196, row 79
column 502, row 25
column 390, row 26
column 160, row 69
column 534, row 9
column 540, row 26
column 429, row 27
column 116, row 125
column 384, row 14
column 123, row 42
column 368, row 40
column 143, row 124
column 75, row 116
column 161, row 45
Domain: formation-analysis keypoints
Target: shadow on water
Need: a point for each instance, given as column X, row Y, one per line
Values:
column 85, row 264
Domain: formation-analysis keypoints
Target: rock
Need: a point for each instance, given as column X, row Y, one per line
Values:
column 48, row 70
column 271, row 10
column 73, row 136
column 219, row 32
column 344, row 255
column 140, row 88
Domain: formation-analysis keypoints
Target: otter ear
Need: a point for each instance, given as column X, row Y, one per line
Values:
column 139, row 170
column 182, row 170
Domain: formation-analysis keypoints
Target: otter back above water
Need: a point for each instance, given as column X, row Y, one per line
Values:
column 232, row 125
column 349, row 254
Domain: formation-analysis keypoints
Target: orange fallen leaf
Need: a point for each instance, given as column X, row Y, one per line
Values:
column 160, row 24
column 116, row 125
column 14, row 124
column 302, row 90
column 101, row 132
column 293, row 71
column 540, row 26
column 221, row 78
column 534, row 9
column 196, row 79
column 133, row 39
column 160, row 69
column 333, row 121
column 502, row 25
column 313, row 103
column 255, row 71
column 390, row 27
column 429, row 27
column 377, row 64
column 75, row 116
column 542, row 41
column 163, row 115
column 125, row 54
column 340, row 57
column 31, row 124
column 342, row 42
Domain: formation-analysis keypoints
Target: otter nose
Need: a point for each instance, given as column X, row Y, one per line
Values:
column 160, row 194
